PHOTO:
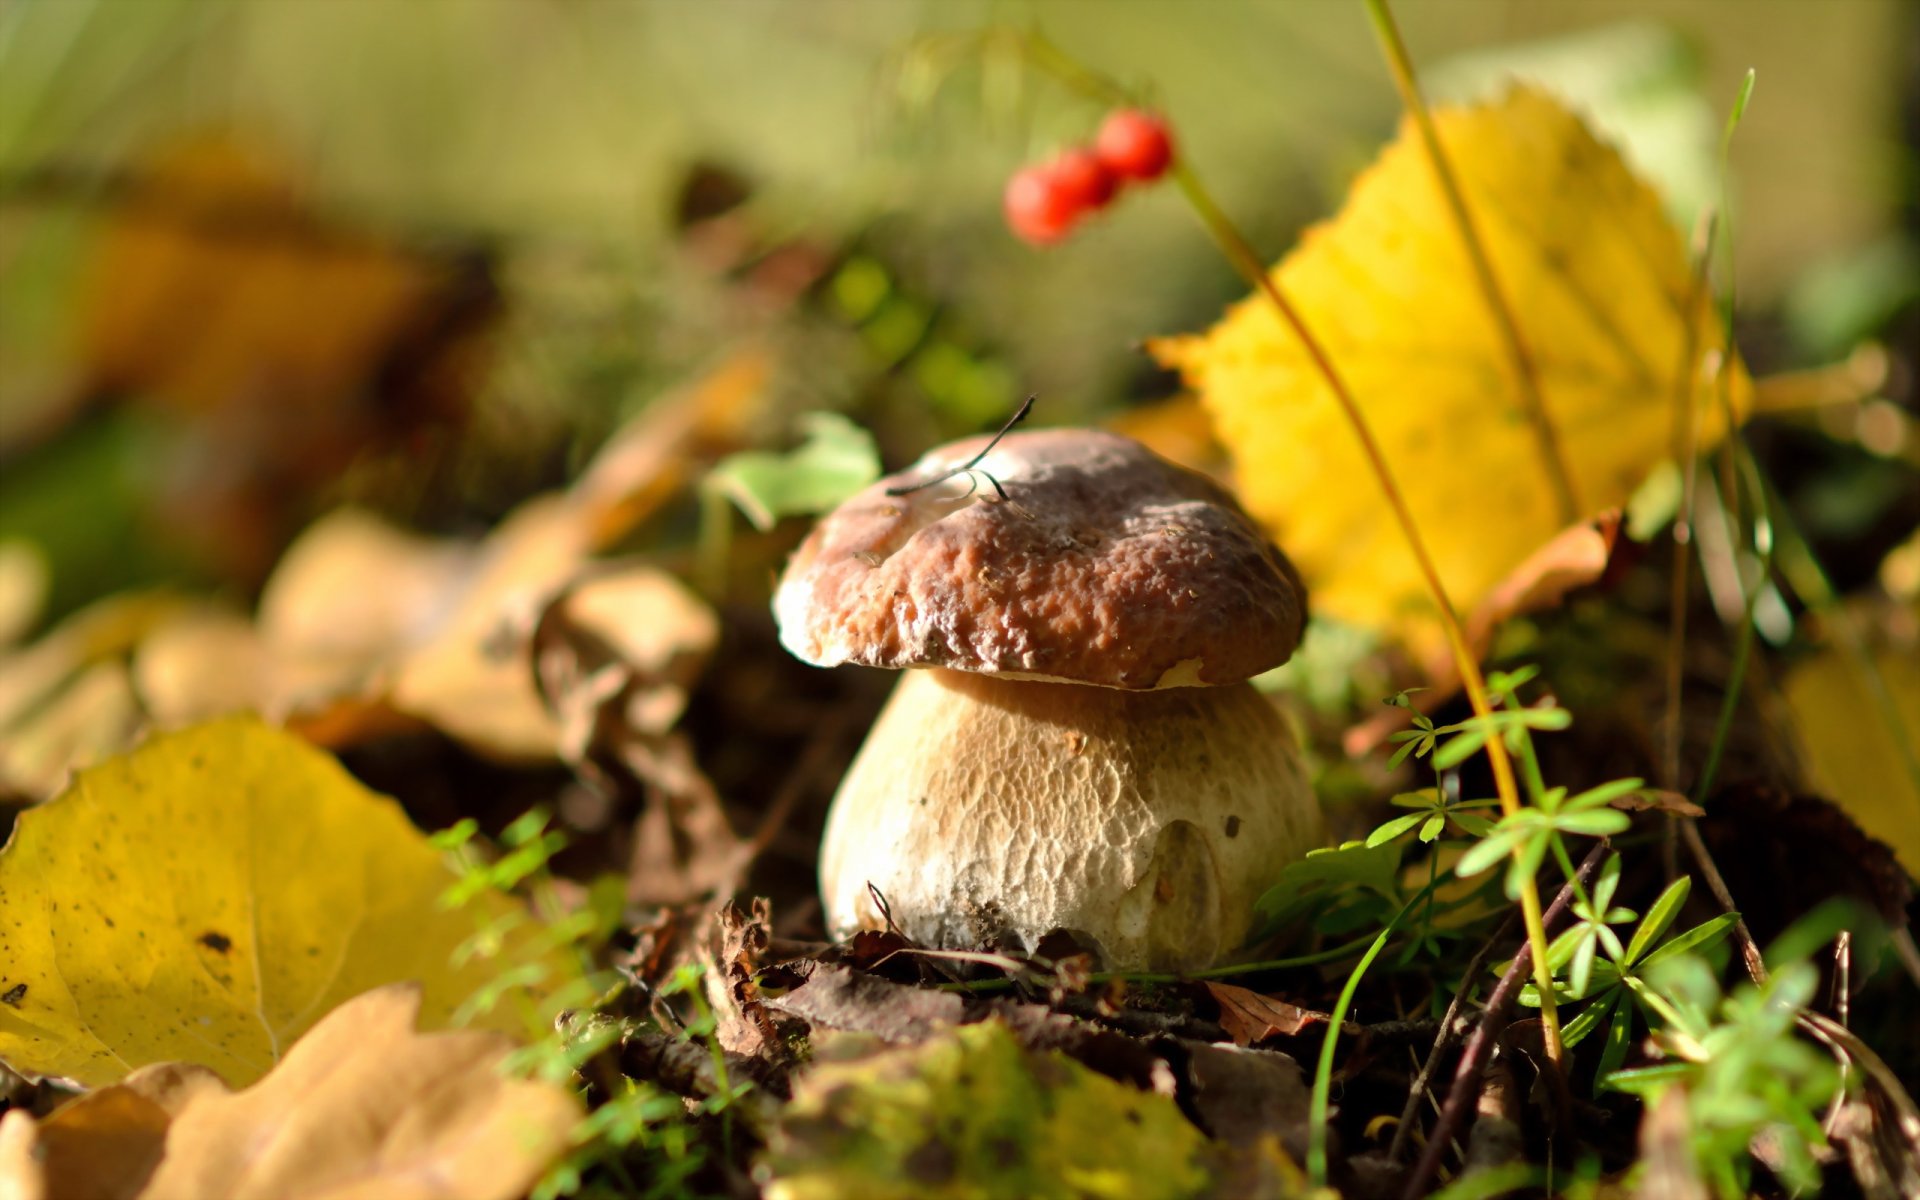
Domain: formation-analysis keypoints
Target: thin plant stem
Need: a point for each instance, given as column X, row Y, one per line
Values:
column 1683, row 442
column 1241, row 256
column 1526, row 373
column 1743, row 645
column 1323, row 1070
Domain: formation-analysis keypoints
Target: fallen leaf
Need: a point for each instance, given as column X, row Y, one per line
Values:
column 328, row 633
column 90, row 718
column 1600, row 285
column 667, row 445
column 471, row 678
column 279, row 345
column 1250, row 1018
column 1850, row 752
column 1177, row 429
column 205, row 662
column 1245, row 1097
column 970, row 1112
column 362, row 1107
column 206, row 898
column 24, row 582
column 1573, row 558
column 1657, row 800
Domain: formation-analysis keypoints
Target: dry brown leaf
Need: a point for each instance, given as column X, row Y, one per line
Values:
column 1250, row 1018
column 1579, row 555
column 281, row 345
column 471, row 678
column 362, row 1108
column 1657, row 800
column 666, row 446
column 91, row 718
column 329, row 632
column 24, row 580
column 205, row 662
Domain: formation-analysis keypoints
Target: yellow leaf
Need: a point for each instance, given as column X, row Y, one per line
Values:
column 363, row 1107
column 1851, row 755
column 208, row 897
column 1600, row 285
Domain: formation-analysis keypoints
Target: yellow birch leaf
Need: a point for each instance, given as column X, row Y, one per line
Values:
column 1601, row 287
column 1852, row 755
column 207, row 898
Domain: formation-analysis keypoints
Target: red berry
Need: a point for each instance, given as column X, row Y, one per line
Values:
column 1086, row 180
column 1134, row 144
column 1039, row 210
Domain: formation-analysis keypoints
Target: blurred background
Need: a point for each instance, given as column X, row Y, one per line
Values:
column 465, row 239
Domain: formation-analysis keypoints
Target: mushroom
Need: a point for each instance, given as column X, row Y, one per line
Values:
column 1076, row 745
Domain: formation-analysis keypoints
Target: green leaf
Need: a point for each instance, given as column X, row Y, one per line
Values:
column 1394, row 828
column 1603, row 822
column 1606, row 883
column 1619, row 1037
column 1488, row 851
column 1432, row 829
column 837, row 459
column 1644, row 1081
column 1657, row 919
column 1575, row 1031
column 1525, row 865
column 1704, row 934
column 1353, row 865
column 1606, row 793
column 1582, row 973
column 1460, row 747
column 1477, row 826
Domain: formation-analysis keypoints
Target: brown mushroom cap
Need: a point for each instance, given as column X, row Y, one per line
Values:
column 1106, row 565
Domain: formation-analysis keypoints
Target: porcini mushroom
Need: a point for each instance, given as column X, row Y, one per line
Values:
column 1074, row 744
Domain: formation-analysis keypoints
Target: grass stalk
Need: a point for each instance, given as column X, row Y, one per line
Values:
column 1526, row 373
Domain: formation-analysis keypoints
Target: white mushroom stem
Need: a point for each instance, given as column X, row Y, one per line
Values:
column 993, row 810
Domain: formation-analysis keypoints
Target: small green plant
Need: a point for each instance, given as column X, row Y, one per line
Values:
column 638, row 1140
column 1746, row 1077
column 1616, row 987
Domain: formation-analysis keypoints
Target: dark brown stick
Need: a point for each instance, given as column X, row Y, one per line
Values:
column 1449, row 1033
column 1466, row 1077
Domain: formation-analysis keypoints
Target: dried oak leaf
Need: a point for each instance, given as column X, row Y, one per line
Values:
column 1602, row 292
column 209, row 896
column 361, row 1108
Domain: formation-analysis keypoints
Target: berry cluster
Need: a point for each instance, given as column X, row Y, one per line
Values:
column 1045, row 201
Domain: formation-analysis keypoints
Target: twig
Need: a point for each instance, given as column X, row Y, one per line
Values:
column 1449, row 1033
column 1717, row 884
column 1466, row 1077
